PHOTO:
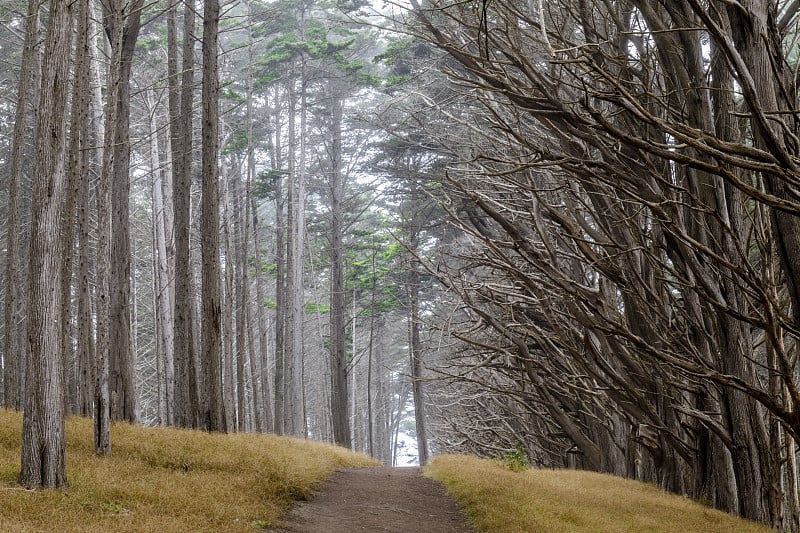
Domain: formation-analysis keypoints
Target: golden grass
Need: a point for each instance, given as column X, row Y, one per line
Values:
column 544, row 501
column 165, row 480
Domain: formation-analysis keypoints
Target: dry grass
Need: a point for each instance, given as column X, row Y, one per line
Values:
column 543, row 501
column 164, row 480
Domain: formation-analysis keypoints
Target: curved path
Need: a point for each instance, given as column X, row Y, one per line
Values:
column 399, row 500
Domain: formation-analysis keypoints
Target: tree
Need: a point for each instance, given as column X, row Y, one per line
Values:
column 79, row 382
column 14, row 349
column 213, row 418
column 621, row 212
column 43, row 441
column 123, row 397
column 181, row 134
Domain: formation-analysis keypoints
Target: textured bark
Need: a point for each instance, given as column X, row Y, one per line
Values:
column 121, row 378
column 78, row 168
column 231, row 401
column 279, row 387
column 182, row 166
column 43, row 440
column 14, row 346
column 244, row 346
column 338, row 351
column 295, row 311
column 213, row 418
column 114, row 20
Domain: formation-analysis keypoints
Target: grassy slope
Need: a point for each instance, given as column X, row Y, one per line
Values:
column 165, row 480
column 542, row 501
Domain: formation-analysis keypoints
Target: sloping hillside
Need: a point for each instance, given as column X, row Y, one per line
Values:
column 165, row 480
column 499, row 500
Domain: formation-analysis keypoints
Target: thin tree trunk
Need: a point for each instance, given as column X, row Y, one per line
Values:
column 415, row 353
column 231, row 400
column 78, row 168
column 279, row 388
column 295, row 266
column 14, row 346
column 293, row 303
column 238, row 261
column 102, row 404
column 338, row 352
column 163, row 299
column 263, row 324
column 182, row 166
column 121, row 366
column 214, row 416
column 370, row 415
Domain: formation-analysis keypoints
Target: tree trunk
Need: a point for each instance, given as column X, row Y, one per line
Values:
column 121, row 378
column 214, row 416
column 263, row 324
column 279, row 388
column 114, row 20
column 294, row 417
column 258, row 358
column 182, row 167
column 14, row 348
column 163, row 300
column 231, row 399
column 415, row 354
column 338, row 351
column 78, row 167
column 43, row 440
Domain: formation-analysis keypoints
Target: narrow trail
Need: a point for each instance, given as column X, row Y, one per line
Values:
column 399, row 500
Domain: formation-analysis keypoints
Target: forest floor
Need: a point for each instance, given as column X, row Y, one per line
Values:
column 400, row 500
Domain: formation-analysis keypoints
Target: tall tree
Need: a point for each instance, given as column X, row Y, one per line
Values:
column 14, row 348
column 214, row 413
column 43, row 440
column 181, row 127
column 75, row 220
column 123, row 397
column 338, row 356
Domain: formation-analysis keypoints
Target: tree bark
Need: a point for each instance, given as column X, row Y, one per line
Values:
column 338, row 351
column 182, row 166
column 121, row 378
column 279, row 387
column 14, row 348
column 214, row 415
column 43, row 439
column 78, row 169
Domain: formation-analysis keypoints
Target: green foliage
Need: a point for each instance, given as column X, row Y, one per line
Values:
column 261, row 524
column 229, row 93
column 516, row 460
column 314, row 308
column 237, row 143
column 398, row 57
column 393, row 81
column 266, row 183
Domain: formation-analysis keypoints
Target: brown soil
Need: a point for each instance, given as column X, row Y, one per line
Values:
column 399, row 500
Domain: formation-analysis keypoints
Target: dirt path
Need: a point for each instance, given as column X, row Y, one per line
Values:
column 399, row 500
